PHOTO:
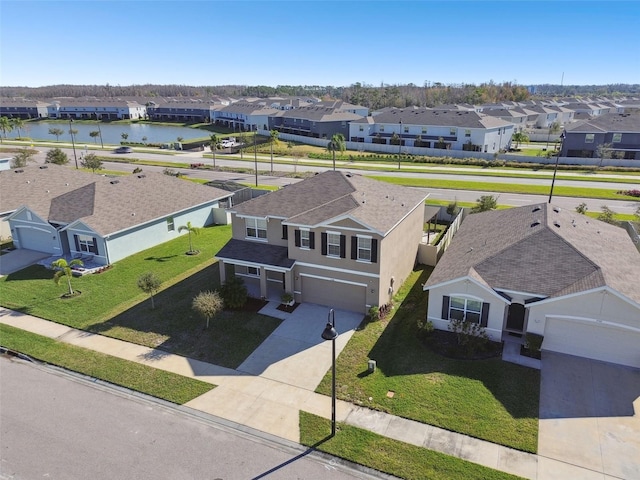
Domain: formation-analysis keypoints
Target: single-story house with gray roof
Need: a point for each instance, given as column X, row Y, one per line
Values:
column 63, row 211
column 334, row 239
column 540, row 269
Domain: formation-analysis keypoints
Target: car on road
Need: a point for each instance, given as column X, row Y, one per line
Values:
column 123, row 150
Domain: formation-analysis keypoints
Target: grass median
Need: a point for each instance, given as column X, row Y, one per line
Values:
column 390, row 456
column 141, row 378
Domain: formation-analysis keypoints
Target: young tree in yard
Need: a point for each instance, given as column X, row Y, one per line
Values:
column 57, row 132
column 22, row 157
column 5, row 126
column 92, row 162
column 520, row 137
column 208, row 304
column 94, row 134
column 553, row 129
column 452, row 210
column 191, row 230
column 149, row 283
column 485, row 203
column 56, row 156
column 213, row 145
column 64, row 269
column 607, row 215
column 336, row 144
column 582, row 208
column 604, row 151
column 18, row 124
column 273, row 138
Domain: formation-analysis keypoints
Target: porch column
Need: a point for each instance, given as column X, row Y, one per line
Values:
column 222, row 271
column 289, row 286
column 263, row 284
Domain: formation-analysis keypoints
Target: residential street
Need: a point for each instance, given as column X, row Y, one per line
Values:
column 57, row 426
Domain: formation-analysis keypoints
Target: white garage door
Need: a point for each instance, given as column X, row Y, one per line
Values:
column 592, row 340
column 38, row 240
column 334, row 294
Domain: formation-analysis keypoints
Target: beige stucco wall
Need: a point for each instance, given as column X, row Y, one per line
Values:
column 598, row 305
column 468, row 289
column 398, row 253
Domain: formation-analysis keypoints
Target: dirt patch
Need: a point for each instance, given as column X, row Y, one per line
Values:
column 446, row 344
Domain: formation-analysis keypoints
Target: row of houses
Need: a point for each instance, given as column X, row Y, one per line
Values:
column 349, row 242
column 485, row 128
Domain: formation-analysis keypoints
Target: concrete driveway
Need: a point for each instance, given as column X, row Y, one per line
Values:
column 295, row 353
column 18, row 259
column 587, row 419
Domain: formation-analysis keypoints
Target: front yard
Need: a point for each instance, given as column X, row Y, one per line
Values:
column 488, row 399
column 111, row 303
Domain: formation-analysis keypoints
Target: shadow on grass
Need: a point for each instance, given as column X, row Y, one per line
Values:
column 161, row 259
column 173, row 326
column 34, row 272
column 400, row 352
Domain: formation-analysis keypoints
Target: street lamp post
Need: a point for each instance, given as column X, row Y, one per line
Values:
column 255, row 152
column 330, row 333
column 555, row 170
column 73, row 142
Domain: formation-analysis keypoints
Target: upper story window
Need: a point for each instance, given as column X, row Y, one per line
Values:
column 405, row 129
column 465, row 309
column 589, row 137
column 453, row 132
column 360, row 128
column 467, row 133
column 305, row 239
column 364, row 249
column 256, row 227
column 333, row 244
column 617, row 138
column 382, row 128
column 424, row 129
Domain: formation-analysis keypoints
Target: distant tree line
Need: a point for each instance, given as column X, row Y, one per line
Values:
column 430, row 94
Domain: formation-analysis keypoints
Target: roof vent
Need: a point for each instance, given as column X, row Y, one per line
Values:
column 536, row 209
column 142, row 175
column 19, row 171
column 556, row 209
column 535, row 223
column 113, row 182
column 42, row 167
column 556, row 224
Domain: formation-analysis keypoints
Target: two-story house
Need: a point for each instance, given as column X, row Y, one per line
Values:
column 315, row 121
column 334, row 239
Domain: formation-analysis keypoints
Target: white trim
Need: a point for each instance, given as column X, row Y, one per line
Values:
column 605, row 288
column 254, row 239
column 40, row 229
column 474, row 281
column 466, row 295
column 330, row 279
column 264, row 266
column 591, row 321
column 524, row 294
column 341, row 270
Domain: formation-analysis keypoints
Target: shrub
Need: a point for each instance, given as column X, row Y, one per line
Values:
column 207, row 304
column 286, row 298
column 471, row 336
column 631, row 193
column 234, row 293
column 425, row 327
column 534, row 342
column 374, row 313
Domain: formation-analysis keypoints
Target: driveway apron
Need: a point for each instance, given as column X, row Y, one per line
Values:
column 587, row 417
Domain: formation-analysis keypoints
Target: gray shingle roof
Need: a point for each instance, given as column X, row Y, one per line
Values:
column 426, row 116
column 539, row 250
column 609, row 122
column 108, row 205
column 330, row 195
column 256, row 252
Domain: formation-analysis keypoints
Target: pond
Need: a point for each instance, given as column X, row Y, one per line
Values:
column 111, row 133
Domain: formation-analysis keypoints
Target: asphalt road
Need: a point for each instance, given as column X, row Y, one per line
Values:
column 58, row 426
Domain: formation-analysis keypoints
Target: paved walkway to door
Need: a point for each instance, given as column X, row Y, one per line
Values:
column 587, row 419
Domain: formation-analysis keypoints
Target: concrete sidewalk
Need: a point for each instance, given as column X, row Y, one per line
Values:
column 273, row 406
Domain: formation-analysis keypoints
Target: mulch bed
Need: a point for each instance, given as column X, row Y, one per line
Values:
column 446, row 344
column 252, row 305
column 525, row 352
column 287, row 308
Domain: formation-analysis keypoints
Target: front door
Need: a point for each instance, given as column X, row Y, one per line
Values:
column 515, row 318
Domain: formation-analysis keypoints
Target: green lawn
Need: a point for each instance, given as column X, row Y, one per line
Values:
column 166, row 385
column 488, row 399
column 390, row 456
column 561, row 191
column 112, row 304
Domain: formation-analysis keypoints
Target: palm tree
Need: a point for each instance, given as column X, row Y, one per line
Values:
column 190, row 229
column 553, row 129
column 214, row 146
column 519, row 137
column 63, row 269
column 273, row 134
column 94, row 134
column 5, row 125
column 57, row 132
column 336, row 143
column 18, row 124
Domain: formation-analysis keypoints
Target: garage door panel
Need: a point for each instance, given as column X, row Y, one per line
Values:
column 334, row 294
column 31, row 239
column 592, row 340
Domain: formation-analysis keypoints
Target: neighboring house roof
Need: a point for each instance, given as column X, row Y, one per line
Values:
column 255, row 252
column 609, row 122
column 106, row 204
column 331, row 195
column 320, row 114
column 446, row 118
column 541, row 250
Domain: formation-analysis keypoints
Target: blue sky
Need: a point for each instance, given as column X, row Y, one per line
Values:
column 307, row 42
